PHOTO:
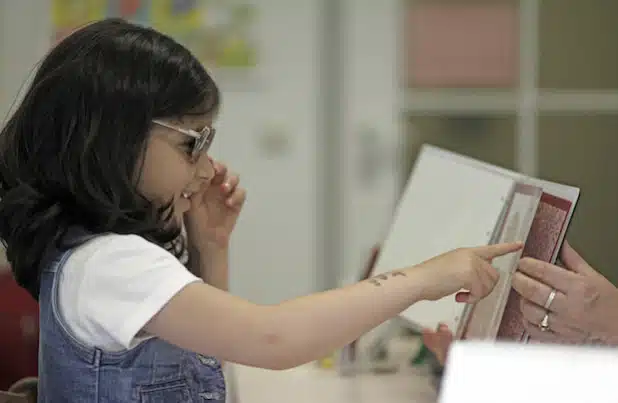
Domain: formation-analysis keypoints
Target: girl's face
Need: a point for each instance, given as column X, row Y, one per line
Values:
column 171, row 169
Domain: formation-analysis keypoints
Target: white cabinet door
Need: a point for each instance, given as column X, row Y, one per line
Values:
column 371, row 125
column 268, row 134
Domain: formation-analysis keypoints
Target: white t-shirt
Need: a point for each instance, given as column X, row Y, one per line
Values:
column 111, row 286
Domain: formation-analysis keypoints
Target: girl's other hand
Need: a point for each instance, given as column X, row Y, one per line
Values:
column 215, row 210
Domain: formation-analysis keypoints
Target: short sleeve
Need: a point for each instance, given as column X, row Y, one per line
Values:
column 112, row 286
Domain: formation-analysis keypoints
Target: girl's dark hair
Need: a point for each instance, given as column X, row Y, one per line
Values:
column 71, row 154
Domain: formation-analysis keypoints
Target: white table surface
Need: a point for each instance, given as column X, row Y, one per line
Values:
column 311, row 384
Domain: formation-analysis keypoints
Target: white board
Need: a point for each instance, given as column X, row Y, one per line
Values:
column 567, row 192
column 560, row 190
column 486, row 315
column 479, row 372
column 446, row 204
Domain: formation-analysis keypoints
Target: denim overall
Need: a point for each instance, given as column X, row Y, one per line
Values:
column 153, row 371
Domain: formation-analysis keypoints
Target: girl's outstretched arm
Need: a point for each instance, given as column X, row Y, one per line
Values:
column 209, row 321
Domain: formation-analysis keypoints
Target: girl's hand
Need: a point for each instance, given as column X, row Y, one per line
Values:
column 214, row 211
column 467, row 268
column 438, row 342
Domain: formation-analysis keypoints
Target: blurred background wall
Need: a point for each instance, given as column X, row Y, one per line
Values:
column 554, row 114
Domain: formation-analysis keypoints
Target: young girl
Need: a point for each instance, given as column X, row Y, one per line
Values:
column 101, row 165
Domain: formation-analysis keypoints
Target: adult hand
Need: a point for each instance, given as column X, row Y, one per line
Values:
column 438, row 342
column 583, row 308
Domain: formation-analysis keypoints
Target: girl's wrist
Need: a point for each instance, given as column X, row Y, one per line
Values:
column 211, row 249
column 207, row 244
column 210, row 262
column 205, row 253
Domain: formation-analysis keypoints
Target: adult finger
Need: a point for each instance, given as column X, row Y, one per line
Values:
column 492, row 251
column 550, row 274
column 540, row 336
column 535, row 291
column 552, row 335
column 534, row 315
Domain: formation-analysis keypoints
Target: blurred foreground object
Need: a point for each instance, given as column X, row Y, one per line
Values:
column 19, row 319
column 514, row 372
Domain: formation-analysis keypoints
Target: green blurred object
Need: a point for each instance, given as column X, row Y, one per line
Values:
column 421, row 356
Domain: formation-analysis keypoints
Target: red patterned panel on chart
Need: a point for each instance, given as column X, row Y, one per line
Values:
column 541, row 244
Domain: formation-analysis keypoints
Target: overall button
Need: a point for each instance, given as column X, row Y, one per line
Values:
column 211, row 395
column 209, row 361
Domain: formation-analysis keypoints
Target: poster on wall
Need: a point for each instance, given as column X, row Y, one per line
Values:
column 221, row 33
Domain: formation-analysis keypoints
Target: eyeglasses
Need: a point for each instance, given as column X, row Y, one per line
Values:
column 203, row 138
